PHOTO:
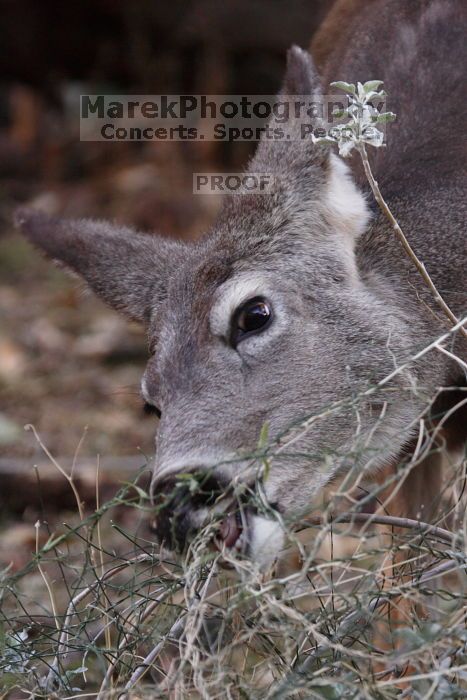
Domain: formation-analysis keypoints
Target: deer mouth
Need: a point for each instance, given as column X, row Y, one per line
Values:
column 251, row 535
column 233, row 532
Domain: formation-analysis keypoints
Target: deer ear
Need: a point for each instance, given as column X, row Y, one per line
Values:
column 295, row 155
column 309, row 178
column 342, row 203
column 128, row 270
column 301, row 76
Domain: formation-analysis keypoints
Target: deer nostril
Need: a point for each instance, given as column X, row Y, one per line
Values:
column 177, row 501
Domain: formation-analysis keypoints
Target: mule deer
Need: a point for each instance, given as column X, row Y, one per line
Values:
column 297, row 302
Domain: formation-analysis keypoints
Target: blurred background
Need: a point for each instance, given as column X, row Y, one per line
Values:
column 66, row 362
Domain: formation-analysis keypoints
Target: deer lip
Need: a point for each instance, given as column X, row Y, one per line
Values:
column 231, row 530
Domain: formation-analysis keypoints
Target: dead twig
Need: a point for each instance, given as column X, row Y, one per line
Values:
column 403, row 240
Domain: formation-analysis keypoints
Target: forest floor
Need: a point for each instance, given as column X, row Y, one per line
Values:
column 70, row 366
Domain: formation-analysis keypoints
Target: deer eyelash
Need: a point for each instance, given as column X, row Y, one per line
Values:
column 151, row 410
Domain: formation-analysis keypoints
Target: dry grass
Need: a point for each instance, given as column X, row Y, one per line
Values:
column 100, row 612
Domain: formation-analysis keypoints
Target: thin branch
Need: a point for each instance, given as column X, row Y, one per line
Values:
column 393, row 521
column 173, row 634
column 71, row 610
column 111, row 668
column 58, row 466
column 403, row 240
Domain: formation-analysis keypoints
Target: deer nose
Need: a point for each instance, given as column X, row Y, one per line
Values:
column 180, row 507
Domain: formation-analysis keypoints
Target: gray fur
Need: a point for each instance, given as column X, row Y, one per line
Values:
column 348, row 305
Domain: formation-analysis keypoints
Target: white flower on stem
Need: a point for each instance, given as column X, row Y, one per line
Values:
column 363, row 118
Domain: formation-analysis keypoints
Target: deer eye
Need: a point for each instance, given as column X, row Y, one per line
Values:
column 251, row 317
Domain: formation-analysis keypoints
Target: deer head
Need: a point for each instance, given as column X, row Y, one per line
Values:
column 268, row 319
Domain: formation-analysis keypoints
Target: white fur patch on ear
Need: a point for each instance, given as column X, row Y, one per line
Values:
column 344, row 206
